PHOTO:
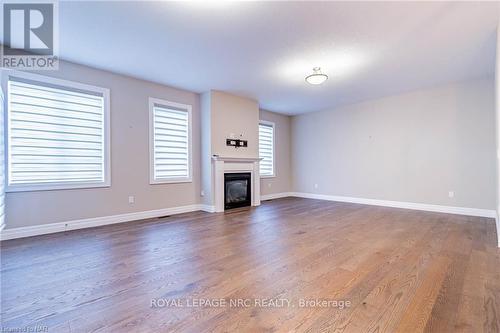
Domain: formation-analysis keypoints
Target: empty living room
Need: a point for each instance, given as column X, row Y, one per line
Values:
column 249, row 166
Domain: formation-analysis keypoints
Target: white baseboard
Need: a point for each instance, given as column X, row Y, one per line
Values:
column 93, row 222
column 275, row 196
column 50, row 228
column 207, row 208
column 400, row 204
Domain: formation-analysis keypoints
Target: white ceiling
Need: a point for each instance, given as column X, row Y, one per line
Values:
column 264, row 50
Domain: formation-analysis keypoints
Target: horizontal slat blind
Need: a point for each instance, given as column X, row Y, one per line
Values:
column 2, row 165
column 56, row 135
column 170, row 143
column 266, row 149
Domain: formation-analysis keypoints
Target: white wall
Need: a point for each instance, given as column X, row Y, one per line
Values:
column 129, row 158
column 413, row 147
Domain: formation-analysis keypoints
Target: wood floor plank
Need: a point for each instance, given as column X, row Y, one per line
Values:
column 418, row 312
column 400, row 271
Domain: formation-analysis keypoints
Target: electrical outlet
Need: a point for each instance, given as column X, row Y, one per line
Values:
column 269, row 185
column 316, row 186
column 131, row 199
column 202, row 193
column 451, row 194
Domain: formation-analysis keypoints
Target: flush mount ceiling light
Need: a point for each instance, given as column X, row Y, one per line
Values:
column 316, row 77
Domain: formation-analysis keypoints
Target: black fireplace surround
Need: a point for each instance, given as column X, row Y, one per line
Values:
column 237, row 190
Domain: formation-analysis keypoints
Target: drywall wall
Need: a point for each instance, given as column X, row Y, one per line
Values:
column 282, row 180
column 129, row 158
column 206, row 149
column 223, row 116
column 234, row 116
column 413, row 147
column 2, row 164
column 497, row 132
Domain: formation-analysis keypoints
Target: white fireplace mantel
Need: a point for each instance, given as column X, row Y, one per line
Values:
column 236, row 159
column 222, row 165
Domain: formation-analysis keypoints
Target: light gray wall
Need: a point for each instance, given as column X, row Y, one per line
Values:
column 497, row 132
column 206, row 148
column 234, row 115
column 283, row 174
column 225, row 115
column 412, row 147
column 2, row 164
column 129, row 158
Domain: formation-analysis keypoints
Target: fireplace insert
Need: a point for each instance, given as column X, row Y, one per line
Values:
column 237, row 190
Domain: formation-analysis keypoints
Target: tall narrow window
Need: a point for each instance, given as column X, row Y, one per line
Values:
column 266, row 148
column 57, row 134
column 2, row 164
column 170, row 141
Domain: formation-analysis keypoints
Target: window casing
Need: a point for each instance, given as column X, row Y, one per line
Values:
column 170, row 142
column 266, row 148
column 58, row 134
column 2, row 164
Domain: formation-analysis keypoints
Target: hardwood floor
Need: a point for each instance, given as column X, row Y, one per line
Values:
column 398, row 270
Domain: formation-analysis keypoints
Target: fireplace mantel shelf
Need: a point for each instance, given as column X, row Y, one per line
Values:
column 236, row 159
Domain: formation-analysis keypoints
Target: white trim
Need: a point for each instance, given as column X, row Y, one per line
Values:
column 2, row 164
column 400, row 204
column 275, row 196
column 55, row 186
column 235, row 159
column 94, row 222
column 497, row 225
column 207, row 208
column 273, row 125
column 105, row 92
column 50, row 228
column 229, row 165
column 188, row 108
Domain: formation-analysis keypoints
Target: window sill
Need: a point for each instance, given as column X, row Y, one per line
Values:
column 53, row 187
column 264, row 177
column 170, row 181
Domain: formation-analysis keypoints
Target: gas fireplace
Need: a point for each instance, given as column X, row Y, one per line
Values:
column 237, row 190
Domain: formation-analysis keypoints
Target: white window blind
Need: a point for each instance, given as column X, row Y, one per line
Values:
column 170, row 141
column 2, row 165
column 57, row 136
column 266, row 149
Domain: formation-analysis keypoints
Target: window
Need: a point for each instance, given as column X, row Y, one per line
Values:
column 266, row 148
column 2, row 165
column 170, row 142
column 57, row 134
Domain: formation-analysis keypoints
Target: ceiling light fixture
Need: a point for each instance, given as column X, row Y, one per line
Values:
column 316, row 77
